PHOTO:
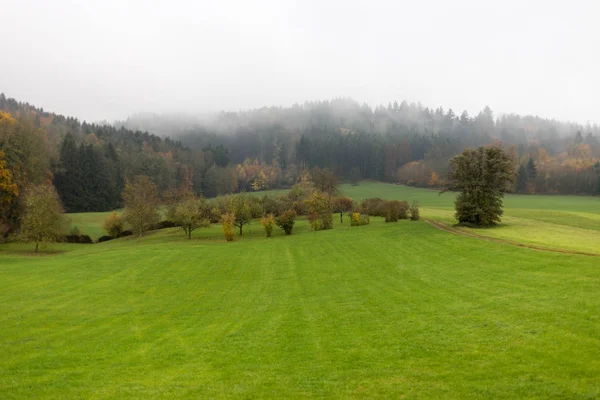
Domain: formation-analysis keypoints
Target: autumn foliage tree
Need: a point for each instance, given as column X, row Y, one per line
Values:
column 191, row 213
column 245, row 208
column 341, row 205
column 324, row 181
column 268, row 222
column 228, row 221
column 43, row 218
column 482, row 176
column 8, row 191
column 141, row 204
column 286, row 221
column 319, row 211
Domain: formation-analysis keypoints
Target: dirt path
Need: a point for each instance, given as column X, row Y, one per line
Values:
column 444, row 227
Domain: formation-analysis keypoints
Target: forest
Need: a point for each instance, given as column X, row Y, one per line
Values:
column 266, row 148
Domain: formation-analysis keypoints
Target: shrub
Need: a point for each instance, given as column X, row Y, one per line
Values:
column 164, row 224
column 359, row 219
column 395, row 210
column 74, row 231
column 126, row 233
column 84, row 239
column 105, row 238
column 268, row 222
column 373, row 206
column 286, row 221
column 113, row 225
column 228, row 221
column 300, row 207
column 321, row 221
column 414, row 211
column 70, row 238
column 319, row 209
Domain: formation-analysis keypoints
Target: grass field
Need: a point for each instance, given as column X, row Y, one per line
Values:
column 380, row 311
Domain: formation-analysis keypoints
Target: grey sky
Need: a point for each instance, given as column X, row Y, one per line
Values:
column 111, row 58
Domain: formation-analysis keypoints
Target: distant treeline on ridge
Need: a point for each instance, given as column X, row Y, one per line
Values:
column 271, row 147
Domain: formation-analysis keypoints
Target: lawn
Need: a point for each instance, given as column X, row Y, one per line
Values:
column 379, row 311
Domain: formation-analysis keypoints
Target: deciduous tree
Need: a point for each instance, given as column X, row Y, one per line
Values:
column 141, row 204
column 324, row 181
column 341, row 205
column 191, row 213
column 43, row 220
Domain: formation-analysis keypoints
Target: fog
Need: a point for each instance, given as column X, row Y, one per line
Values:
column 106, row 60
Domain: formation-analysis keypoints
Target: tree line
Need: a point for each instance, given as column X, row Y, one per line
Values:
column 273, row 147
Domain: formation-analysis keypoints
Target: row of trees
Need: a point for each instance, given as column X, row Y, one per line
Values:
column 481, row 175
column 315, row 197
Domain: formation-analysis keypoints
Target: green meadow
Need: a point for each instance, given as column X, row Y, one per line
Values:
column 399, row 310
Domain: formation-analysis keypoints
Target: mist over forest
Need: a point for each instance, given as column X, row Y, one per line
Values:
column 230, row 152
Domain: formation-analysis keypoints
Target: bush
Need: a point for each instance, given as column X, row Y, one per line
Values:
column 414, row 211
column 228, row 221
column 113, row 225
column 105, row 238
column 268, row 222
column 374, row 207
column 164, row 225
column 126, row 233
column 71, row 238
column 74, row 231
column 286, row 221
column 319, row 209
column 300, row 207
column 319, row 222
column 359, row 219
column 395, row 210
column 83, row 239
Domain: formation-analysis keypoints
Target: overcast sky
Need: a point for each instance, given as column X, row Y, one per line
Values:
column 109, row 59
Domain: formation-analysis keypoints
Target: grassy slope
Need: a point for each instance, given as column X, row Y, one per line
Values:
column 562, row 222
column 90, row 223
column 385, row 310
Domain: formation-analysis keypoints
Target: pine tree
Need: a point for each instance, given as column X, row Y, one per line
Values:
column 68, row 177
column 531, row 169
column 482, row 176
column 522, row 179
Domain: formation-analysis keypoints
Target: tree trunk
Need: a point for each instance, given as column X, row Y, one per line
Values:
column 36, row 247
column 341, row 218
column 241, row 229
column 189, row 233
